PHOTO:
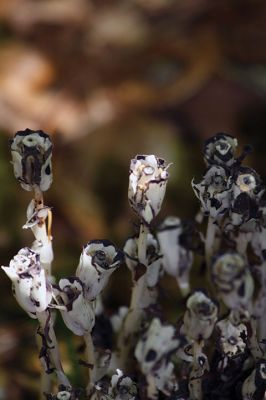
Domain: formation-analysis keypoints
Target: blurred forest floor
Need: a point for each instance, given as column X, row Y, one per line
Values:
column 108, row 80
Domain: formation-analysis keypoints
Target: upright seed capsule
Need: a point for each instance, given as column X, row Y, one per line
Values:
column 31, row 158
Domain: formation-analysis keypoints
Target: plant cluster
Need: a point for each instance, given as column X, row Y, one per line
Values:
column 216, row 350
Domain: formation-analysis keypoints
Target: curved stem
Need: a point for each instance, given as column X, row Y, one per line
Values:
column 90, row 360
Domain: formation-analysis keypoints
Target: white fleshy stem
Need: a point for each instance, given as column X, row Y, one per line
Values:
column 90, row 359
column 254, row 346
column 152, row 391
column 46, row 379
column 142, row 243
column 195, row 381
column 46, row 322
column 210, row 241
column 242, row 241
column 134, row 315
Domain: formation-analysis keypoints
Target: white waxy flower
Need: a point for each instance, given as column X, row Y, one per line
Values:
column 147, row 184
column 177, row 260
column 200, row 316
column 233, row 280
column 98, row 260
column 122, row 387
column 78, row 314
column 254, row 386
column 30, row 286
column 214, row 192
column 31, row 158
column 153, row 352
column 232, row 337
column 220, row 150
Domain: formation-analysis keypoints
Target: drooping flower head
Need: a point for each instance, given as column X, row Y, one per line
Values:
column 200, row 316
column 220, row 150
column 177, row 260
column 31, row 158
column 147, row 184
column 233, row 280
column 98, row 260
column 79, row 314
column 31, row 289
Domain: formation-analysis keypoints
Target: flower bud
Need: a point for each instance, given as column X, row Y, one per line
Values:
column 147, row 184
column 200, row 316
column 232, row 337
column 79, row 314
column 233, row 280
column 98, row 260
column 177, row 260
column 214, row 192
column 31, row 289
column 220, row 150
column 31, row 158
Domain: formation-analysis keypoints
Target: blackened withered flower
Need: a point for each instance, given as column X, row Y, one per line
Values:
column 77, row 313
column 177, row 260
column 214, row 191
column 200, row 316
column 122, row 387
column 233, row 280
column 98, row 260
column 220, row 150
column 31, row 158
column 247, row 191
column 232, row 338
column 147, row 183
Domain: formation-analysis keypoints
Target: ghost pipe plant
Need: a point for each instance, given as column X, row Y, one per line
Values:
column 31, row 158
column 216, row 350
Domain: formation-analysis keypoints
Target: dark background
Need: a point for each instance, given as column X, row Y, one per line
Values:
column 108, row 80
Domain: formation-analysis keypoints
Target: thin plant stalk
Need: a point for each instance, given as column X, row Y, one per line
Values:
column 90, row 358
column 53, row 348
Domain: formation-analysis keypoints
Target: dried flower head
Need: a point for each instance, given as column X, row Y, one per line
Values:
column 220, row 149
column 78, row 314
column 200, row 316
column 31, row 289
column 177, row 260
column 247, row 191
column 98, row 260
column 147, row 184
column 122, row 387
column 31, row 158
column 233, row 338
column 214, row 191
column 233, row 280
